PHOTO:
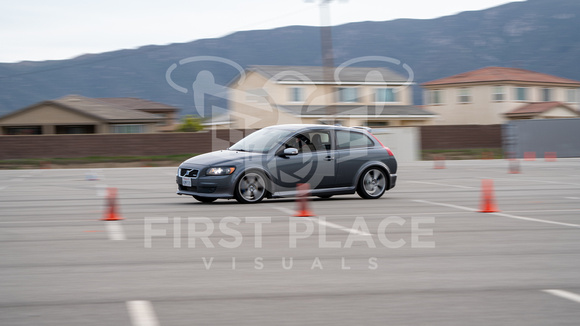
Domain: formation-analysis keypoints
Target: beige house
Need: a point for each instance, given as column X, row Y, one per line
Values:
column 168, row 114
column 543, row 110
column 494, row 95
column 352, row 96
column 76, row 114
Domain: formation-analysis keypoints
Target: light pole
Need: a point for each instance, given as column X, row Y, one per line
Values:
column 327, row 54
column 326, row 35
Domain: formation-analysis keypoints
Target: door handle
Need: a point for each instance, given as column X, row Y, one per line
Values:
column 329, row 158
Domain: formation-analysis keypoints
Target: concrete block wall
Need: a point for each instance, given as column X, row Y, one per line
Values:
column 461, row 137
column 72, row 146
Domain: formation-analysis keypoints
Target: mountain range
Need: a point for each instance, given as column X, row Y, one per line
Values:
column 539, row 35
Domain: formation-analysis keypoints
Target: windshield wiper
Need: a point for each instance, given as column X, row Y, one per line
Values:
column 237, row 150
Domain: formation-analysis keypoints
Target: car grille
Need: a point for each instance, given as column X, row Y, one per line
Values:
column 192, row 189
column 192, row 173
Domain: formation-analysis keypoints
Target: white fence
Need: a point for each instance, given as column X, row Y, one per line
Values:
column 405, row 142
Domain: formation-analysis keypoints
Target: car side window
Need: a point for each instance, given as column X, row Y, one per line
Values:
column 299, row 141
column 319, row 141
column 310, row 141
column 351, row 139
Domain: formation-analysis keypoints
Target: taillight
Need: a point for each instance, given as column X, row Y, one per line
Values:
column 385, row 147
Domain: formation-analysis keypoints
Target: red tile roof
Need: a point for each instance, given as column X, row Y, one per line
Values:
column 496, row 74
column 537, row 108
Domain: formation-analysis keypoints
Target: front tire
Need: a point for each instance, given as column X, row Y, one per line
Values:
column 372, row 183
column 251, row 188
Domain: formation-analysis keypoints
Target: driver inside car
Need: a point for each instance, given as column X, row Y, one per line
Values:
column 298, row 142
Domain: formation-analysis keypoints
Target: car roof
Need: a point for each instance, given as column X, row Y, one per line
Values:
column 313, row 126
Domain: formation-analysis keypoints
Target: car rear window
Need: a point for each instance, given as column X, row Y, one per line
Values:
column 352, row 139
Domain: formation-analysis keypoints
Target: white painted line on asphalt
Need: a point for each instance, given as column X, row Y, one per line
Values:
column 133, row 220
column 324, row 222
column 41, row 221
column 531, row 219
column 339, row 227
column 142, row 313
column 547, row 211
column 557, row 182
column 573, row 198
column 115, row 230
column 290, row 212
column 285, row 210
column 537, row 181
column 442, row 184
column 446, row 205
column 564, row 294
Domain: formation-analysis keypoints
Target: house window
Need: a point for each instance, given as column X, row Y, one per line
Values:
column 347, row 95
column 464, row 95
column 435, row 97
column 521, row 93
column 163, row 116
column 25, row 130
column 296, row 94
column 572, row 95
column 377, row 124
column 498, row 93
column 127, row 129
column 86, row 129
column 331, row 122
column 547, row 94
column 385, row 95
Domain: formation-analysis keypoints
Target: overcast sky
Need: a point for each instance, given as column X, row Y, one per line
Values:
column 62, row 29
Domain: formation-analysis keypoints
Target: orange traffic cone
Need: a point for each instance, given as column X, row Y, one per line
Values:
column 487, row 197
column 439, row 162
column 514, row 166
column 529, row 156
column 302, row 201
column 550, row 156
column 111, row 210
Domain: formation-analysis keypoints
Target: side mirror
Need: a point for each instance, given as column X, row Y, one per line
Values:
column 290, row 151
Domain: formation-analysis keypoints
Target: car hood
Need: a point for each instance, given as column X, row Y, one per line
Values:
column 222, row 157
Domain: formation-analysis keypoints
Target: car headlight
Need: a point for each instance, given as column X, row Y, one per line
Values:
column 220, row 170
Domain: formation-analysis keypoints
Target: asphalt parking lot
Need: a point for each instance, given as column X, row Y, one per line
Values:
column 421, row 255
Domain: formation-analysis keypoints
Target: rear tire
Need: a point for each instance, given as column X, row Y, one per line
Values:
column 372, row 183
column 206, row 200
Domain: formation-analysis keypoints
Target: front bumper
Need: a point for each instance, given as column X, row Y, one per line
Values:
column 207, row 186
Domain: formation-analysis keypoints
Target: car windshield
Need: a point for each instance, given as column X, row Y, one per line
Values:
column 262, row 140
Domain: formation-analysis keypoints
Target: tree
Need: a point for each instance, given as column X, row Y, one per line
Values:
column 190, row 124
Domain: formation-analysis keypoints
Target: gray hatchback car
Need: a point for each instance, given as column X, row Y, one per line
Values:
column 272, row 161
